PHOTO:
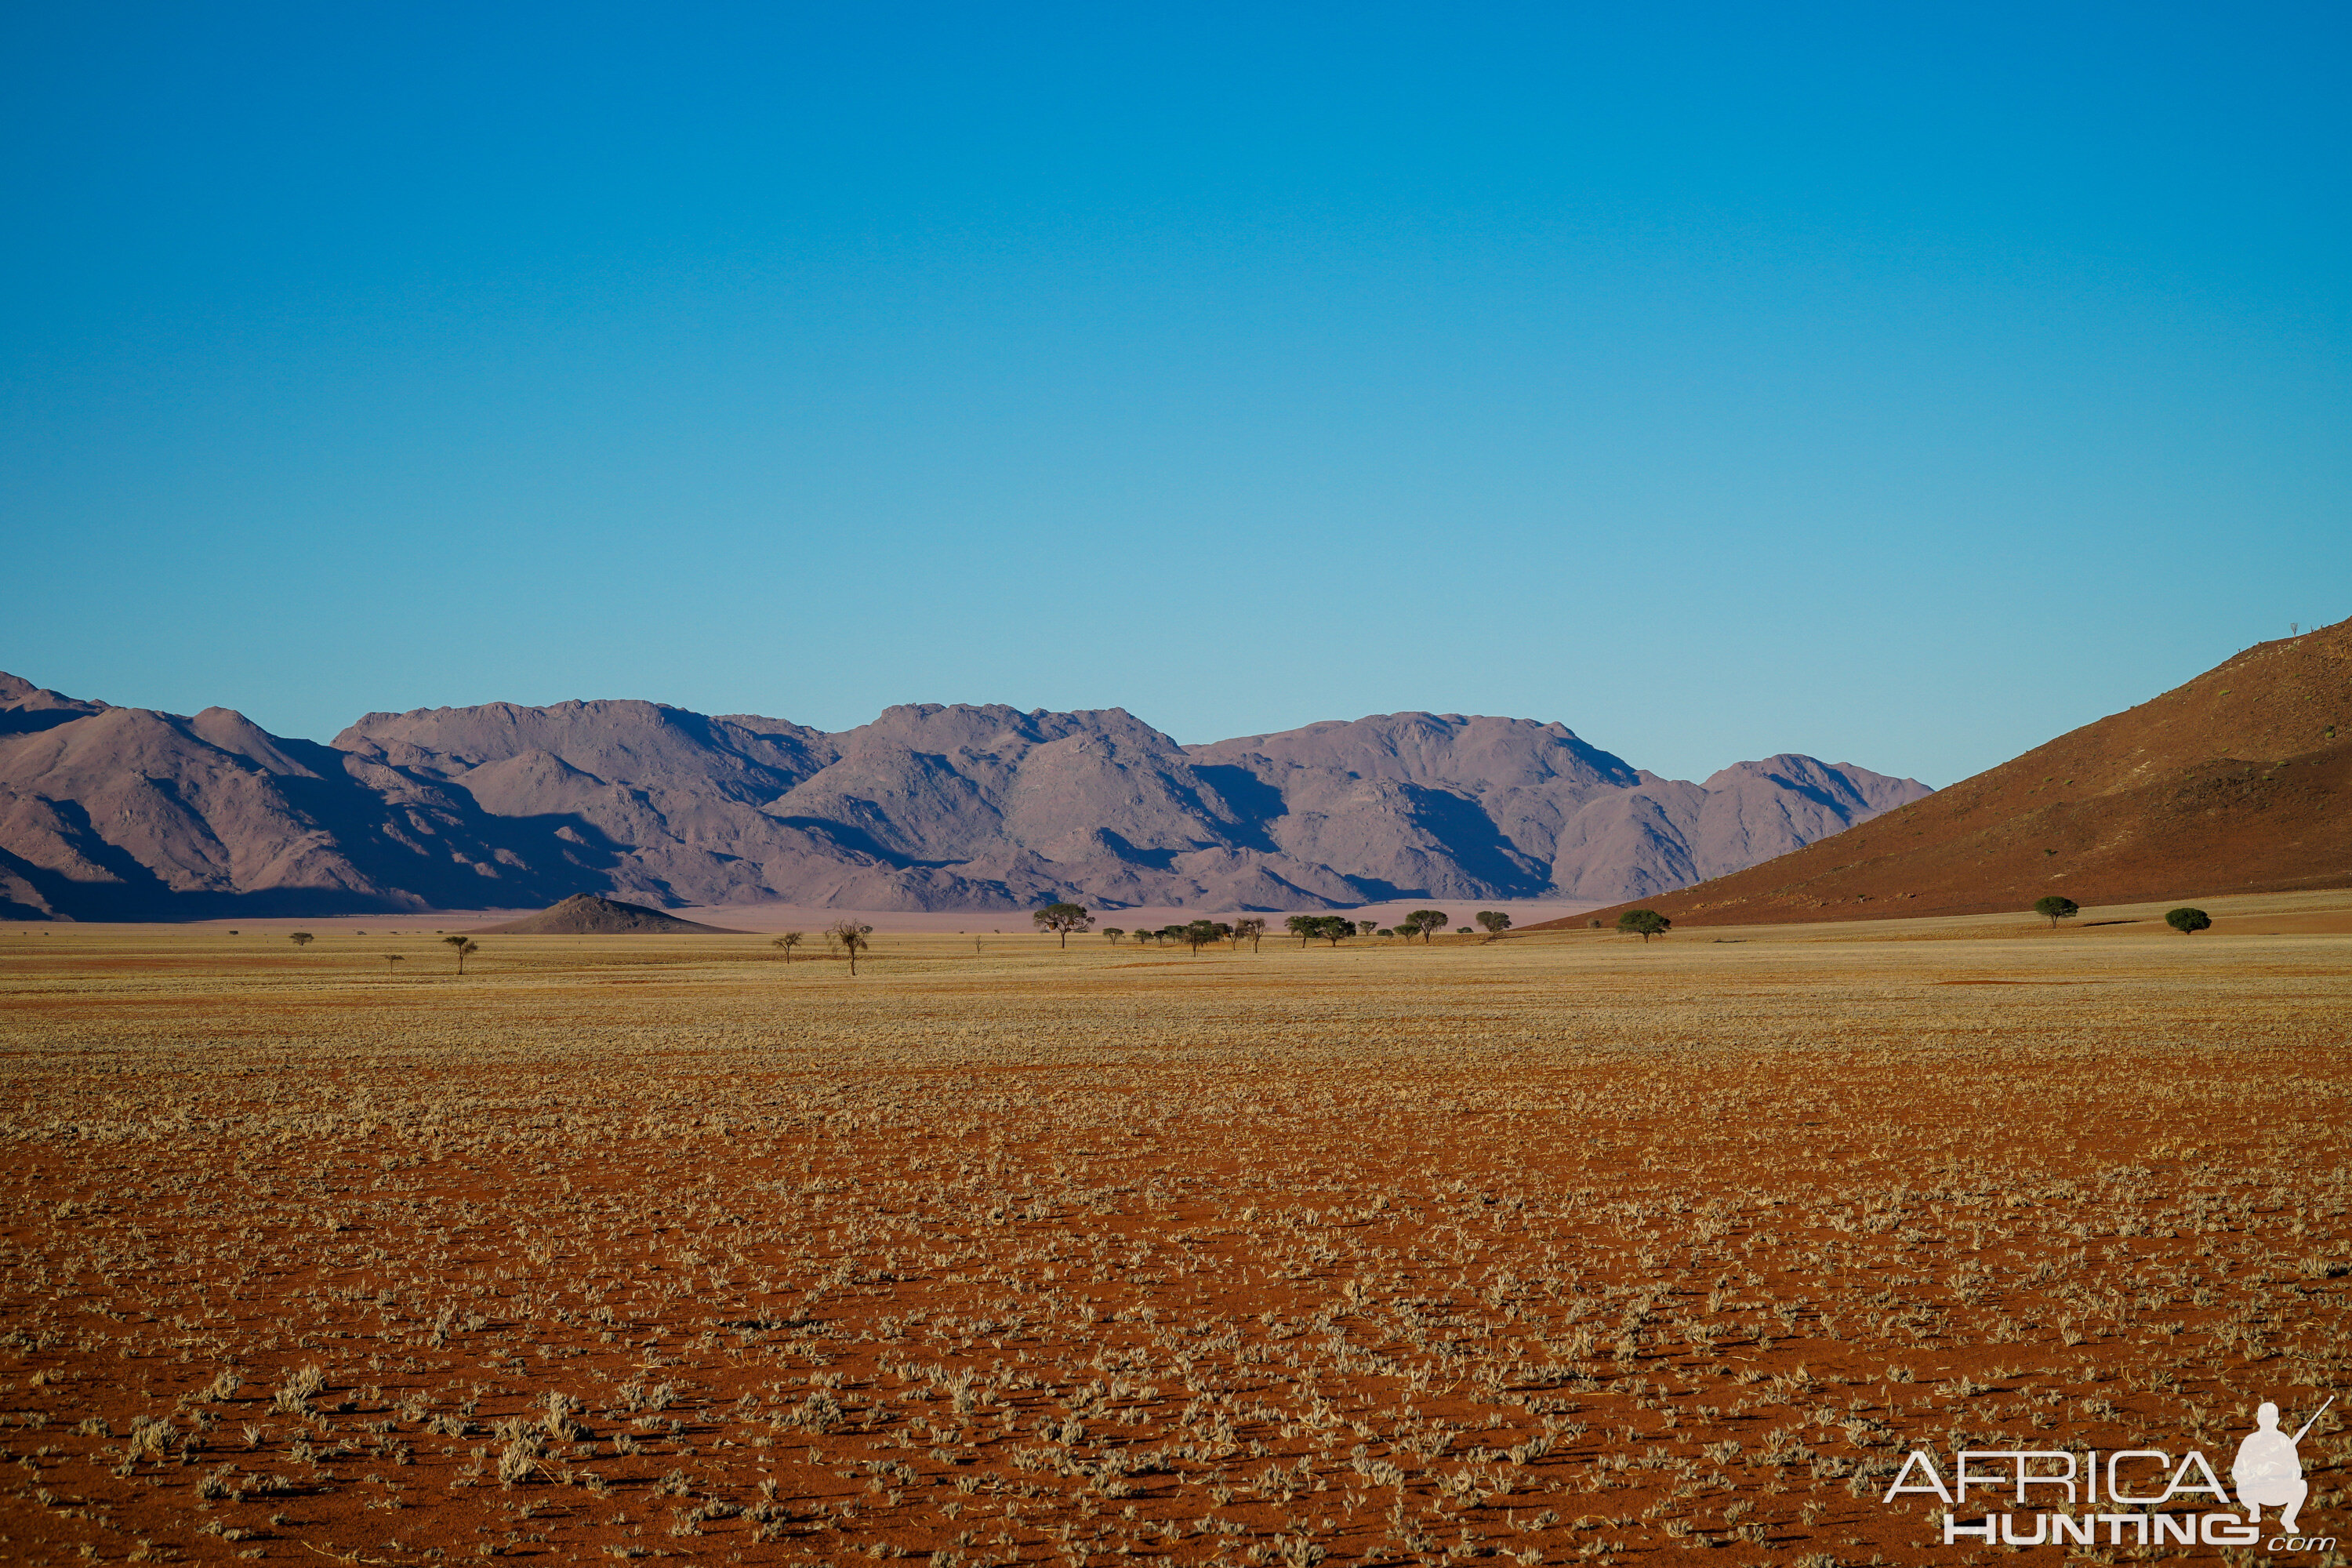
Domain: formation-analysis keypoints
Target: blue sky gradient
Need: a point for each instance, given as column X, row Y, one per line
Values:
column 1901, row 384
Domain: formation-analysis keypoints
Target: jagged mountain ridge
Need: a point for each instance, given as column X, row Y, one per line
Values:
column 129, row 814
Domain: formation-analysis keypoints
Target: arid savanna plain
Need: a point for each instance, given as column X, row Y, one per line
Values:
column 1042, row 786
column 1565, row 1247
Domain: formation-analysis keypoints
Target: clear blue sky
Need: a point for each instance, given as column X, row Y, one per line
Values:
column 1904, row 385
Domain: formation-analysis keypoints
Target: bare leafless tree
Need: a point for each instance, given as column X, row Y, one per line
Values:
column 849, row 936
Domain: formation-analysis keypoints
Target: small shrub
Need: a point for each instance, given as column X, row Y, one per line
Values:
column 518, row 1461
column 294, row 1394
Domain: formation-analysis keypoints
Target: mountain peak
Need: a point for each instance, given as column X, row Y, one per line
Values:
column 16, row 692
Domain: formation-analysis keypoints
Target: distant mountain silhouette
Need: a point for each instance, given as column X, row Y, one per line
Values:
column 2239, row 781
column 126, row 814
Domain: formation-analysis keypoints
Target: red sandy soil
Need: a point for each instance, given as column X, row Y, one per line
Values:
column 2239, row 781
column 1522, row 1253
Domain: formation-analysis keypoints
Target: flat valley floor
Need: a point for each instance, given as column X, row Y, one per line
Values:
column 1565, row 1247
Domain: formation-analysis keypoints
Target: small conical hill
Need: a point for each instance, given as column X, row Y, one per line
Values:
column 586, row 914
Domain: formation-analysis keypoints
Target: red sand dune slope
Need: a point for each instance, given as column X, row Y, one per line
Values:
column 2239, row 781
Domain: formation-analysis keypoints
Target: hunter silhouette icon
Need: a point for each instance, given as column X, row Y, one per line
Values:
column 2268, row 1471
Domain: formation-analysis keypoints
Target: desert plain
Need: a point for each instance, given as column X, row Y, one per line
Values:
column 1563, row 1247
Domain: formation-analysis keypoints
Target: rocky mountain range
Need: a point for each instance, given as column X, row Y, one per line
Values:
column 110, row 813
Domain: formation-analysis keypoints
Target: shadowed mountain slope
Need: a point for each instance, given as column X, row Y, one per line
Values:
column 1476, row 807
column 118, row 813
column 2239, row 781
column 128, row 813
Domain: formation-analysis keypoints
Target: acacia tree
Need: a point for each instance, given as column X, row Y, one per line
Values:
column 2187, row 922
column 389, row 960
column 1427, row 921
column 1112, row 934
column 300, row 938
column 789, row 941
column 1198, row 934
column 1251, row 929
column 1644, row 923
column 464, row 945
column 849, row 936
column 1306, row 928
column 1063, row 918
column 2054, row 909
column 1335, row 929
column 1495, row 921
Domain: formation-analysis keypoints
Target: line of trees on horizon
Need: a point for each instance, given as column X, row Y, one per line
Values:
column 1065, row 918
column 1195, row 934
column 1062, row 918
